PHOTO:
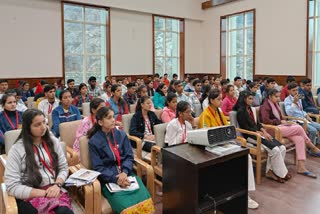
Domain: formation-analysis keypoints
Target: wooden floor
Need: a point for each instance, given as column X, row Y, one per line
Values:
column 299, row 195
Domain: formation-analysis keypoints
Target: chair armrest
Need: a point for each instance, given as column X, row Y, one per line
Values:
column 277, row 133
column 72, row 156
column 138, row 143
column 316, row 116
column 242, row 141
column 87, row 192
column 3, row 159
column 155, row 150
column 305, row 122
column 150, row 175
column 9, row 204
column 258, row 136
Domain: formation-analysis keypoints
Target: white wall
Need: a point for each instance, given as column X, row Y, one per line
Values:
column 280, row 35
column 190, row 9
column 30, row 39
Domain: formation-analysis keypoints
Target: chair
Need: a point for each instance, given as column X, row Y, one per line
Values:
column 29, row 102
column 86, row 109
column 34, row 105
column 285, row 116
column 8, row 203
column 101, row 204
column 258, row 153
column 126, row 119
column 156, row 160
column 68, row 131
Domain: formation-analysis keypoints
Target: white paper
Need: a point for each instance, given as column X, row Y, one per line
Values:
column 112, row 187
column 85, row 175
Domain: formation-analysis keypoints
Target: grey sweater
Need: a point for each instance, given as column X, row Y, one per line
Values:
column 16, row 165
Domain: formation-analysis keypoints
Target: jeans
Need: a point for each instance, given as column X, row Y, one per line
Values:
column 313, row 129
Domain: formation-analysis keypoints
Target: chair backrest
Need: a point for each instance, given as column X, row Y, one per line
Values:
column 133, row 108
column 34, row 105
column 50, row 121
column 282, row 108
column 158, row 112
column 197, row 109
column 233, row 119
column 84, row 152
column 196, row 122
column 126, row 119
column 10, row 138
column 68, row 132
column 29, row 102
column 160, row 133
column 86, row 109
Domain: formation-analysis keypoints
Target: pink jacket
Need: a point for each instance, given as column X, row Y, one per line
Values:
column 85, row 125
column 167, row 115
column 227, row 105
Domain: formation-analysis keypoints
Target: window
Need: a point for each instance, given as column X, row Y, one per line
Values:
column 168, row 46
column 313, row 46
column 237, row 45
column 85, row 42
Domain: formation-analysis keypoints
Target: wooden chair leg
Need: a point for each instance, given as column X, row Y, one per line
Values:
column 258, row 170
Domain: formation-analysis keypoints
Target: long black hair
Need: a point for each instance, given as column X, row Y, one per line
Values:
column 32, row 169
column 101, row 113
column 213, row 94
column 121, row 100
column 169, row 98
column 241, row 102
column 140, row 101
column 161, row 85
column 206, row 89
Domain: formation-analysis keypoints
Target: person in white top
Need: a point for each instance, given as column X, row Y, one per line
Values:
column 237, row 82
column 176, row 132
column 50, row 103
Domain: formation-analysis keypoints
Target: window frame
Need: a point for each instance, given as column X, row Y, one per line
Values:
column 181, row 45
column 223, row 58
column 107, row 33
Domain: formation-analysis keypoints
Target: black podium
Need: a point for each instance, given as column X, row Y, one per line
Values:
column 197, row 181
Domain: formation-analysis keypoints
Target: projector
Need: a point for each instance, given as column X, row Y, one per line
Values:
column 212, row 136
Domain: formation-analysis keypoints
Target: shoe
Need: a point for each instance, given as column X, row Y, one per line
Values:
column 308, row 174
column 252, row 204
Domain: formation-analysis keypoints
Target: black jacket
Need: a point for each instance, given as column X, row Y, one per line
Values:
column 137, row 124
column 245, row 122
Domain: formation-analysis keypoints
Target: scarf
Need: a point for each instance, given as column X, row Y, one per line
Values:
column 275, row 109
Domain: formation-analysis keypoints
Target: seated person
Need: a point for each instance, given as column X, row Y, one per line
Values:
column 65, row 112
column 18, row 94
column 130, row 97
column 270, row 114
column 142, row 123
column 195, row 97
column 36, row 169
column 50, row 102
column 26, row 92
column 293, row 107
column 118, row 105
column 3, row 87
column 176, row 131
column 73, row 90
column 307, row 101
column 169, row 111
column 160, row 96
column 83, row 96
column 111, row 155
column 87, row 122
column 229, row 101
column 253, row 88
column 212, row 116
column 248, row 120
column 10, row 117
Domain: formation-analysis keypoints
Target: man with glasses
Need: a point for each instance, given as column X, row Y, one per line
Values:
column 307, row 102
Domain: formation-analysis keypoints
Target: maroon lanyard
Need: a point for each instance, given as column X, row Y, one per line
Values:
column 49, row 168
column 10, row 122
column 115, row 150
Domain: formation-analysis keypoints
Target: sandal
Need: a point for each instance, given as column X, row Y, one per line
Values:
column 274, row 177
column 308, row 174
column 287, row 177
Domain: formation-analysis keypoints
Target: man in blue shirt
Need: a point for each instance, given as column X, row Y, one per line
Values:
column 307, row 102
column 294, row 108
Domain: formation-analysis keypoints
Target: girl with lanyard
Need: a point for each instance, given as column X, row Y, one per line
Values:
column 37, row 168
column 118, row 104
column 176, row 131
column 111, row 155
column 10, row 117
column 212, row 116
column 142, row 123
column 83, row 97
column 88, row 122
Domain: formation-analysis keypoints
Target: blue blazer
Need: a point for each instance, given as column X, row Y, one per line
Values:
column 103, row 159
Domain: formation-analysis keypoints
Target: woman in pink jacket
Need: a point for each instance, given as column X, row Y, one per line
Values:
column 229, row 101
column 169, row 111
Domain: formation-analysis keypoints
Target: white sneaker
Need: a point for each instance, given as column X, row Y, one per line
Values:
column 252, row 204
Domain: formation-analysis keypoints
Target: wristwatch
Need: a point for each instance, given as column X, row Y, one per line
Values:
column 58, row 184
